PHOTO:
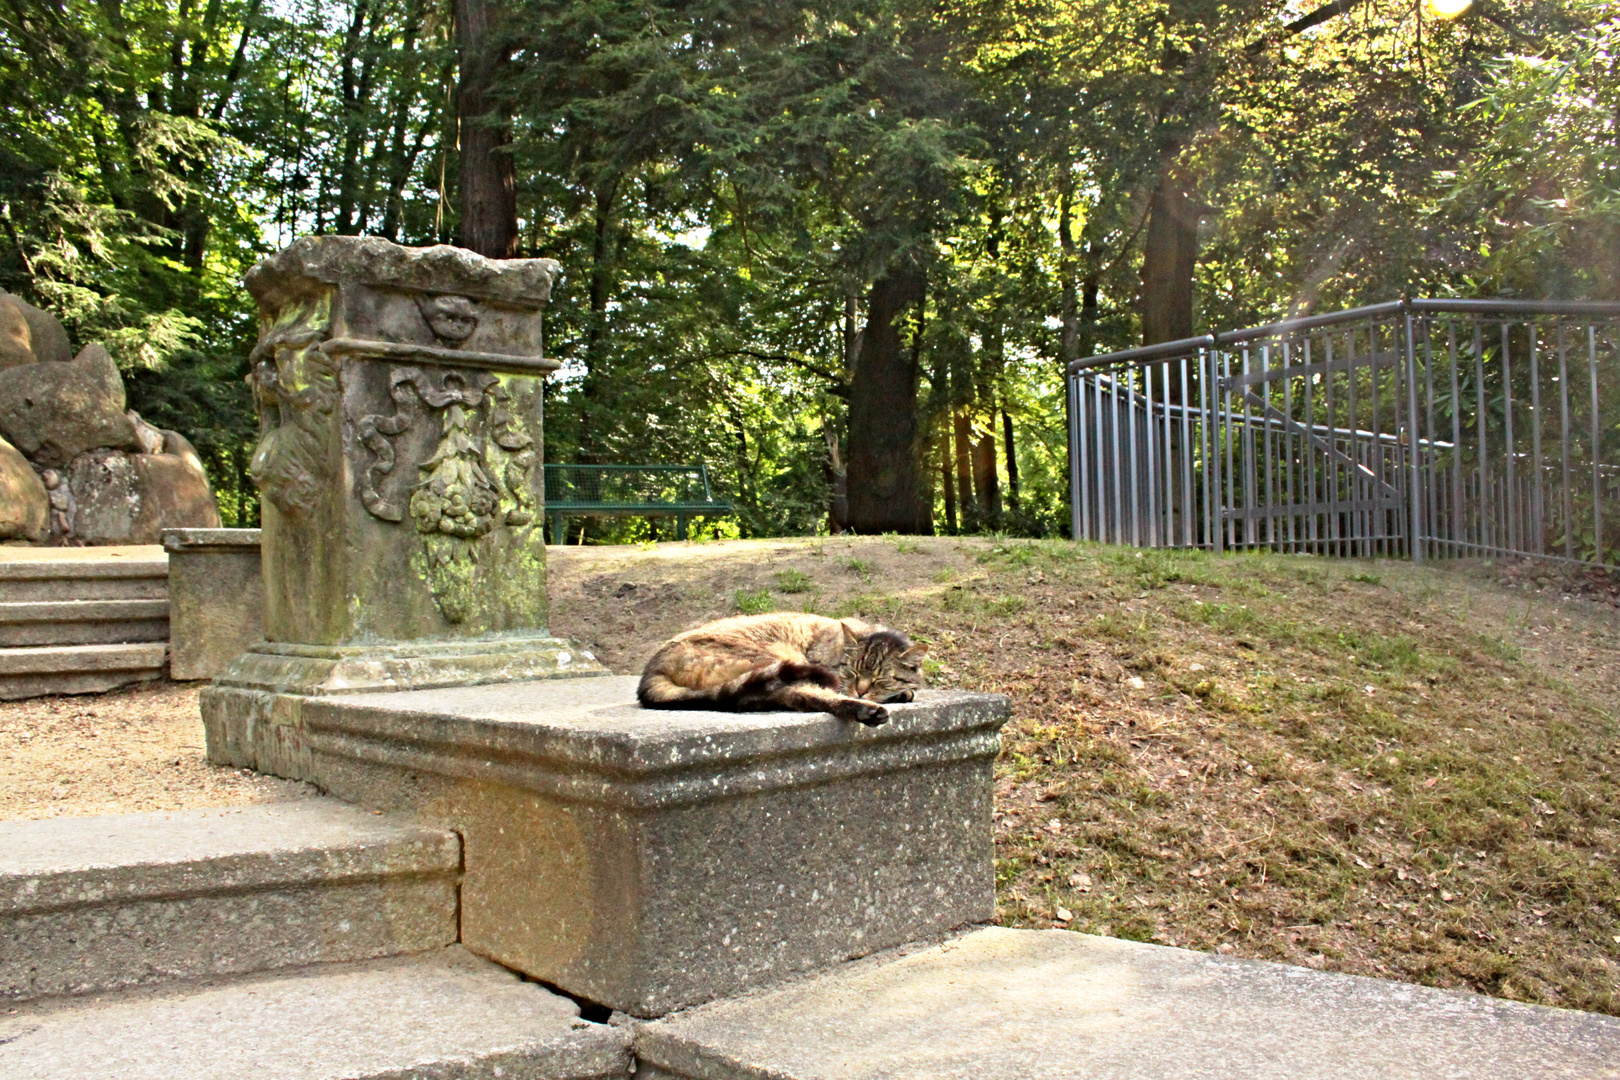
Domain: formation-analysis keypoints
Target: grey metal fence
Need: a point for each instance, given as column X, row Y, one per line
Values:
column 1418, row 428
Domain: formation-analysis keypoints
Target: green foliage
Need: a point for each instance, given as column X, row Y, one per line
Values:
column 723, row 186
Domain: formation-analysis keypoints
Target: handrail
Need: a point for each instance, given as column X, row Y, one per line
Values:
column 1167, row 350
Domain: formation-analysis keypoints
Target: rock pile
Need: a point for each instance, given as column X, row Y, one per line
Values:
column 75, row 465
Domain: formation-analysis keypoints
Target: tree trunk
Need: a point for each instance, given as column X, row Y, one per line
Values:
column 1169, row 259
column 885, row 481
column 838, row 480
column 488, row 197
column 963, row 433
column 946, row 483
column 986, row 485
column 1069, row 347
column 1012, row 460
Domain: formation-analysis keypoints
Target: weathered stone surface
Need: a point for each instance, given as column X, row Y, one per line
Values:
column 44, row 575
column 15, row 339
column 445, row 1016
column 31, row 671
column 372, row 261
column 124, row 498
column 24, row 505
column 1014, row 1004
column 99, row 903
column 649, row 860
column 47, row 340
column 83, row 622
column 148, row 439
column 216, row 599
column 399, row 395
column 53, row 412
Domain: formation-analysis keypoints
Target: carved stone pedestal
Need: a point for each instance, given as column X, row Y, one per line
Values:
column 400, row 406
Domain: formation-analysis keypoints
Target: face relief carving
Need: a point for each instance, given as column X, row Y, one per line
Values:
column 451, row 318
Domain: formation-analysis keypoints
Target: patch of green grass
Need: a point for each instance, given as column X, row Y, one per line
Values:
column 754, row 602
column 861, row 568
column 1367, row 579
column 794, row 581
column 1013, row 553
column 961, row 601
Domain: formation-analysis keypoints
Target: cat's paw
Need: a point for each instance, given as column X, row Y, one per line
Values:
column 867, row 713
column 901, row 698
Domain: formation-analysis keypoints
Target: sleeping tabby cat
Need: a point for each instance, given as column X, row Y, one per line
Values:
column 803, row 663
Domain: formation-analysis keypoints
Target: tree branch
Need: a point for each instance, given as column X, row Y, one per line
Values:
column 1311, row 18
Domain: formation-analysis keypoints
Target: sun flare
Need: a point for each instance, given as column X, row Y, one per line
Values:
column 1448, row 9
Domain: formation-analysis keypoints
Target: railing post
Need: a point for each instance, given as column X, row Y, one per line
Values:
column 1071, row 418
column 1414, row 521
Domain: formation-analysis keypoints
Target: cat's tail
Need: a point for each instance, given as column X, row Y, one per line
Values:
column 750, row 690
column 658, row 692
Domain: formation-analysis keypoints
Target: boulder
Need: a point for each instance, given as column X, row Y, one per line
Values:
column 55, row 412
column 16, row 341
column 23, row 502
column 47, row 339
column 124, row 498
column 147, row 437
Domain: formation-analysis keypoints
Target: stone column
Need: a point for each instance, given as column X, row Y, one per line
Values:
column 399, row 461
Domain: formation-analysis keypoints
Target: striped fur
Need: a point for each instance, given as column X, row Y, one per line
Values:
column 796, row 662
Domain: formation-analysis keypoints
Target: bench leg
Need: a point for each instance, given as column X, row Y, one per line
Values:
column 680, row 526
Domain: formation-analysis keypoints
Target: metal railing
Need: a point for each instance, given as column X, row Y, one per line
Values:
column 1418, row 428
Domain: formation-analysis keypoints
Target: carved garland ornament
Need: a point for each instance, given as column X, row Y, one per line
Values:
column 475, row 480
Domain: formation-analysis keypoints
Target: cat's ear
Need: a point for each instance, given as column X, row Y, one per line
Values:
column 915, row 653
column 852, row 631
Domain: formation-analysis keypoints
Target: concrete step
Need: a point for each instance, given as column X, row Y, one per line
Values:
column 101, row 903
column 999, row 1004
column 83, row 622
column 441, row 1016
column 90, row 577
column 32, row 670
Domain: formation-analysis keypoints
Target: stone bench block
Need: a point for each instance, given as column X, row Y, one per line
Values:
column 650, row 860
column 1001, row 1004
column 216, row 599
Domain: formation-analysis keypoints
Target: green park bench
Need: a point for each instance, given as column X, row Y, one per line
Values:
column 678, row 491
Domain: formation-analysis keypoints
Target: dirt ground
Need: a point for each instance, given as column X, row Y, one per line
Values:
column 138, row 748
column 1368, row 767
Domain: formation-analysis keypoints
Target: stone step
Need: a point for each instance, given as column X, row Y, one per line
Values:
column 102, row 903
column 141, row 577
column 32, row 670
column 999, row 1004
column 83, row 622
column 441, row 1016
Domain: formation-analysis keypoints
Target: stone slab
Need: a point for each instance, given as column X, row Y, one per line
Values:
column 32, row 670
column 216, row 599
column 648, row 860
column 97, row 903
column 1000, row 1004
column 47, row 574
column 446, row 1016
column 83, row 622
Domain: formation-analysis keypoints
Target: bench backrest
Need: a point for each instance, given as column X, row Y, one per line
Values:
column 628, row 486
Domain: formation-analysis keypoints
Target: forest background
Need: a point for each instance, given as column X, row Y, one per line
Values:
column 839, row 251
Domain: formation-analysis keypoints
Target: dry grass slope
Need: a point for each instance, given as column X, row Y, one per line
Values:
column 1366, row 767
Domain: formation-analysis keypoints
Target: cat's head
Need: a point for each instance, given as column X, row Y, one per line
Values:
column 880, row 664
